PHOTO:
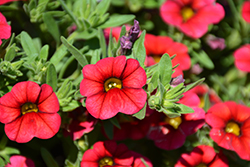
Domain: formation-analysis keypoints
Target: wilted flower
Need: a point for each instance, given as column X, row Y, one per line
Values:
column 192, row 17
column 230, row 124
column 113, row 85
column 28, row 111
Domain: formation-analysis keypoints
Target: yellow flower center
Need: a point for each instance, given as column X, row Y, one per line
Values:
column 112, row 83
column 201, row 165
column 187, row 13
column 202, row 102
column 233, row 127
column 29, row 107
column 156, row 58
column 174, row 122
column 106, row 161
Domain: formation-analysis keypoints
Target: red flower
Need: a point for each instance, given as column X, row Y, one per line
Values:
column 5, row 28
column 138, row 162
column 242, row 58
column 230, row 124
column 18, row 160
column 156, row 46
column 28, row 111
column 81, row 123
column 246, row 11
column 192, row 17
column 170, row 133
column 107, row 153
column 113, row 85
column 202, row 156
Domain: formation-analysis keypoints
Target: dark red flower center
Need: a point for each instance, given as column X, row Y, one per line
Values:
column 29, row 107
column 233, row 127
column 174, row 122
column 187, row 13
column 106, row 161
column 201, row 165
column 112, row 83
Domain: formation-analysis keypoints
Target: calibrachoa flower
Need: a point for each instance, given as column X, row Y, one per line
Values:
column 81, row 123
column 156, row 46
column 230, row 124
column 28, row 111
column 202, row 156
column 192, row 17
column 246, row 11
column 113, row 85
column 242, row 58
column 107, row 154
column 20, row 161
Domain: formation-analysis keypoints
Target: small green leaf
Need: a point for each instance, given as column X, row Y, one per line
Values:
column 206, row 102
column 108, row 128
column 44, row 52
column 154, row 81
column 117, row 20
column 144, row 162
column 48, row 159
column 51, row 77
column 102, row 43
column 204, row 59
column 75, row 52
column 165, row 69
column 102, row 7
column 11, row 53
column 184, row 109
column 2, row 163
column 115, row 122
column 87, row 34
column 139, row 48
column 52, row 26
column 142, row 113
column 3, row 142
column 110, row 45
column 28, row 44
column 10, row 150
column 192, row 85
column 71, row 106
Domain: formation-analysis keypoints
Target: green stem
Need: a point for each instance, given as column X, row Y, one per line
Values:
column 235, row 14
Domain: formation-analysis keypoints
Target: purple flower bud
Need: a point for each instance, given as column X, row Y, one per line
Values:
column 215, row 42
column 134, row 31
column 196, row 69
column 177, row 80
column 125, row 42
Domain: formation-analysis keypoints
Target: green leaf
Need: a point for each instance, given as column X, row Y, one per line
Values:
column 139, row 48
column 64, row 89
column 3, row 142
column 171, row 93
column 71, row 106
column 10, row 150
column 117, row 20
column 87, row 34
column 206, row 102
column 48, row 159
column 108, row 128
column 144, row 162
column 102, row 7
column 2, row 163
column 204, row 59
column 115, row 122
column 153, row 83
column 165, row 69
column 28, row 44
column 184, row 109
column 11, row 53
column 102, row 43
column 52, row 26
column 192, row 85
column 142, row 113
column 44, row 52
column 51, row 77
column 110, row 45
column 75, row 52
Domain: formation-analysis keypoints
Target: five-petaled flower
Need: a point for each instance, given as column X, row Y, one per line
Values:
column 107, row 153
column 230, row 124
column 192, row 17
column 28, row 111
column 202, row 156
column 113, row 85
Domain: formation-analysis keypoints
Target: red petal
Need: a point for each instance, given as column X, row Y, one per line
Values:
column 19, row 92
column 91, row 72
column 208, row 153
column 49, row 105
column 91, row 156
column 130, row 67
column 21, row 161
column 239, row 112
column 220, row 161
column 90, row 87
column 123, row 156
column 6, row 1
column 47, row 125
column 246, row 11
column 5, row 32
column 196, row 4
column 118, row 66
column 137, row 79
column 23, row 129
column 241, row 147
column 46, row 92
column 33, row 91
column 105, row 66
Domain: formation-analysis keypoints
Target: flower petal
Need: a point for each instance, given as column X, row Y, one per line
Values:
column 130, row 67
column 137, row 79
column 49, row 105
column 90, row 87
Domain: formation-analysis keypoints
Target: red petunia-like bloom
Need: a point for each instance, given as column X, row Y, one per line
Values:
column 19, row 160
column 202, row 156
column 156, row 46
column 107, row 154
column 28, row 111
column 246, row 11
column 242, row 58
column 192, row 17
column 230, row 124
column 113, row 85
